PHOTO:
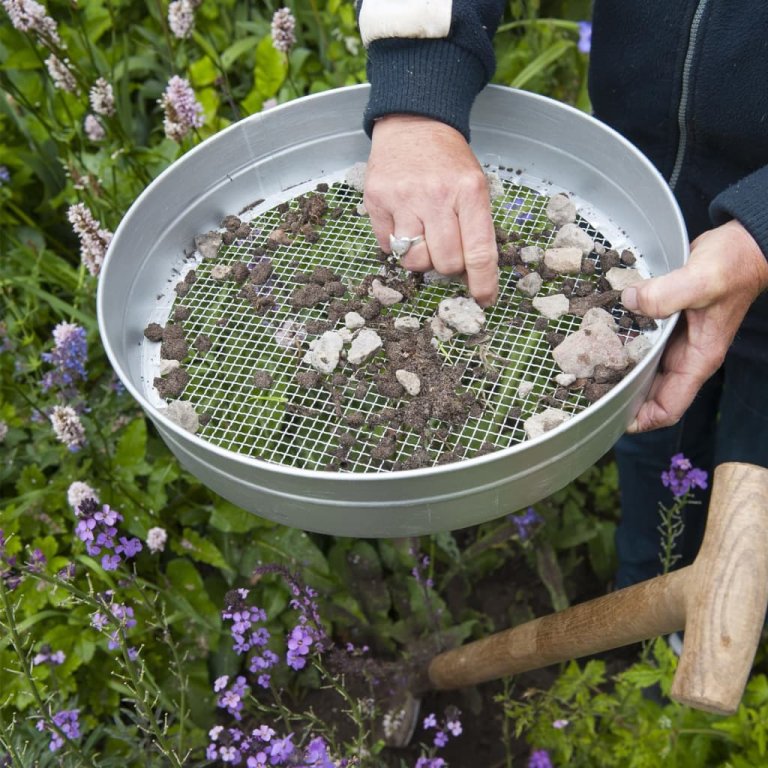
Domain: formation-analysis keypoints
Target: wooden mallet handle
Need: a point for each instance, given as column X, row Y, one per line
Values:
column 720, row 601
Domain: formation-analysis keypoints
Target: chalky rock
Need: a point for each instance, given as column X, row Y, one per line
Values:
column 386, row 296
column 525, row 389
column 565, row 379
column 166, row 366
column 538, row 424
column 622, row 277
column 208, row 244
column 440, row 330
column 346, row 335
column 407, row 323
column 637, row 349
column 355, row 176
column 561, row 210
column 530, row 284
column 553, row 306
column 354, row 320
column 410, row 382
column 573, row 236
column 495, row 185
column 361, row 210
column 183, row 414
column 364, row 346
column 324, row 352
column 598, row 316
column 581, row 351
column 566, row 261
column 531, row 254
column 462, row 314
column 221, row 271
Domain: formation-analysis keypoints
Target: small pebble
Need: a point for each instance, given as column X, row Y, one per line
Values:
column 531, row 254
column 183, row 414
column 364, row 346
column 407, row 323
column 354, row 320
column 620, row 278
column 553, row 306
column 385, row 295
column 410, row 381
column 462, row 314
column 573, row 236
column 530, row 285
column 208, row 244
column 561, row 210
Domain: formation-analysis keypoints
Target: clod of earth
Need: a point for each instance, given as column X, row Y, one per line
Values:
column 530, row 284
column 637, row 348
column 203, row 343
column 308, row 296
column 622, row 277
column 561, row 210
column 173, row 384
column 221, row 272
column 181, row 313
column 208, row 244
column 410, row 381
column 364, row 346
column 262, row 379
column 531, row 254
column 355, row 177
column 182, row 289
column 325, row 352
column 573, row 236
column 261, row 272
column 581, row 351
column 154, row 332
column 553, row 306
column 628, row 258
column 308, row 379
column 525, row 389
column 542, row 422
column 565, row 261
column 239, row 272
column 433, row 277
column 183, row 414
column 581, row 305
column 385, row 295
column 174, row 349
column 462, row 314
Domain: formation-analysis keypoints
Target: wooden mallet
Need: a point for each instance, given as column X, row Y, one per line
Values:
column 720, row 602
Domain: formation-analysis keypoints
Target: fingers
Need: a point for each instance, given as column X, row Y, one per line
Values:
column 478, row 241
column 661, row 297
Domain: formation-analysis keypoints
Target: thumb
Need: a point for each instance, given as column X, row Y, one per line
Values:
column 661, row 297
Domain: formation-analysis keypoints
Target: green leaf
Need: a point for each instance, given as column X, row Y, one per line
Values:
column 132, row 445
column 190, row 595
column 31, row 479
column 229, row 518
column 271, row 69
column 642, row 675
column 202, row 72
column 198, row 548
column 541, row 62
column 237, row 49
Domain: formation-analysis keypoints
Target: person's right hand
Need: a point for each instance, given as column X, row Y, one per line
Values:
column 423, row 179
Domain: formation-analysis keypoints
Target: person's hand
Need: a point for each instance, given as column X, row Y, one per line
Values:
column 423, row 179
column 725, row 273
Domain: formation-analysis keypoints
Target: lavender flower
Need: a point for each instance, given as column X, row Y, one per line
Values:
column 5, row 178
column 69, row 356
column 96, row 526
column 281, row 750
column 682, row 476
column 183, row 111
column 525, row 523
column 30, row 16
column 181, row 18
column 430, row 721
column 102, row 98
column 156, row 538
column 61, row 74
column 232, row 698
column 539, row 759
column 45, row 656
column 94, row 240
column 441, row 739
column 68, row 427
column 585, row 36
column 283, row 30
column 67, row 722
column 122, row 615
column 78, row 492
column 430, row 762
column 94, row 130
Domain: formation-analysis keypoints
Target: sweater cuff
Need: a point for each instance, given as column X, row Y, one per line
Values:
column 746, row 201
column 431, row 78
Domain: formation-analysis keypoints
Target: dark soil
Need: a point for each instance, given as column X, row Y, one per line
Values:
column 172, row 384
column 262, row 380
column 154, row 332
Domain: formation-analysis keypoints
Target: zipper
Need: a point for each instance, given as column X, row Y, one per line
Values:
column 685, row 93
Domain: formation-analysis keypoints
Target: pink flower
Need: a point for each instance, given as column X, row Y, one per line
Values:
column 94, row 240
column 283, row 30
column 29, row 16
column 61, row 74
column 183, row 111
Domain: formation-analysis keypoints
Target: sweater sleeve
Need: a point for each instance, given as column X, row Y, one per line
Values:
column 746, row 201
column 428, row 57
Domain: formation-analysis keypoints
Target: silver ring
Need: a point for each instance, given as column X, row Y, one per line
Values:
column 401, row 245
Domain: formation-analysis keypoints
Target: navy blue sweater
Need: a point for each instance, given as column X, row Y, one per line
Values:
column 685, row 81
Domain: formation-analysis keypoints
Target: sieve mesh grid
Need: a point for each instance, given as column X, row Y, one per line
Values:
column 301, row 428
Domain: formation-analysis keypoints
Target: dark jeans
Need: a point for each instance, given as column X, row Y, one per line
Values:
column 728, row 421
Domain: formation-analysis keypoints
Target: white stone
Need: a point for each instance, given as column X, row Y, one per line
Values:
column 565, row 379
column 530, row 285
column 638, row 348
column 183, row 413
column 325, row 352
column 346, row 335
column 361, row 210
column 561, row 210
column 386, row 296
column 581, row 351
column 354, row 320
column 407, row 323
column 622, row 277
column 531, row 254
column 573, row 236
column 495, row 185
column 598, row 316
column 566, row 261
column 166, row 366
column 525, row 389
column 208, row 244
column 464, row 315
column 539, row 423
column 364, row 346
column 553, row 306
column 355, row 176
column 410, row 381
column 221, row 271
column 440, row 330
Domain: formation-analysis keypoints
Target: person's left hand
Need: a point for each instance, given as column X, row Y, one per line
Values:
column 725, row 273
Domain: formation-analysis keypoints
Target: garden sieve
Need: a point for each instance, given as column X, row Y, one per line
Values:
column 270, row 451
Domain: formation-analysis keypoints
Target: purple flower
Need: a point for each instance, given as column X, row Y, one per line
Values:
column 232, row 699
column 67, row 427
column 283, row 30
column 539, row 759
column 430, row 762
column 94, row 240
column 181, row 17
column 128, row 547
column 525, row 523
column 441, row 739
column 281, row 750
column 454, row 726
column 430, row 721
column 316, row 754
column 585, row 36
column 94, row 130
column 67, row 722
column 5, row 177
column 30, row 16
column 263, row 733
column 682, row 476
column 183, row 111
column 61, row 74
column 299, row 645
